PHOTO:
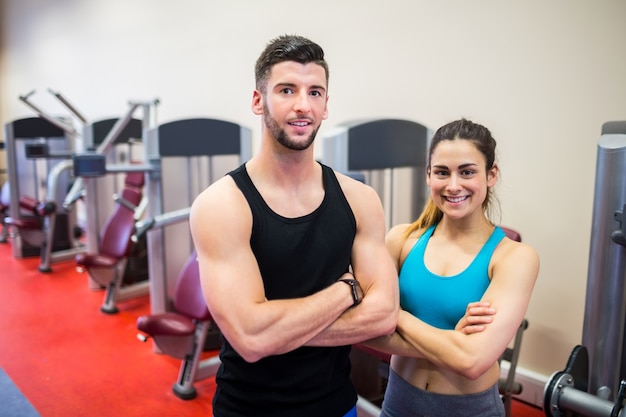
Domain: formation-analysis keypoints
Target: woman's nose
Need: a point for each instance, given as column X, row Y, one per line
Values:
column 454, row 185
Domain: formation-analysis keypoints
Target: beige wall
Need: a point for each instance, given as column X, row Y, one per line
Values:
column 542, row 75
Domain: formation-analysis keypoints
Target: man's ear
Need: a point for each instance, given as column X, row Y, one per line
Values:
column 257, row 102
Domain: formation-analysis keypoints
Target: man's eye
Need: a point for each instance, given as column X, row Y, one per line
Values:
column 286, row 91
column 316, row 93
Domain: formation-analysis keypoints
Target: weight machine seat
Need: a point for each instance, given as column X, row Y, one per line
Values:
column 32, row 228
column 36, row 208
column 189, row 308
column 107, row 267
column 135, row 179
column 183, row 332
column 115, row 238
column 166, row 324
column 511, row 234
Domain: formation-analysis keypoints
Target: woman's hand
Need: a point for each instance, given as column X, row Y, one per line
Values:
column 477, row 315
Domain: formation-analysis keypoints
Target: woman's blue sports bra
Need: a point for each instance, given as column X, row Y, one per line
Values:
column 442, row 301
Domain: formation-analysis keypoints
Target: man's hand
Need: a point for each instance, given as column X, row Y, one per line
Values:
column 477, row 315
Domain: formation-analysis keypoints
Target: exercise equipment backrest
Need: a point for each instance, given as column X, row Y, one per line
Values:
column 188, row 297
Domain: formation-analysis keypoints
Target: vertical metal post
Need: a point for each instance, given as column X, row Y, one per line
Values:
column 605, row 308
column 12, row 173
column 155, row 237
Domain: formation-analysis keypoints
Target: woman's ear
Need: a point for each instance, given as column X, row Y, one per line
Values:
column 492, row 175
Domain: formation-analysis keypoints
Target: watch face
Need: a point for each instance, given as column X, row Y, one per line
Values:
column 357, row 291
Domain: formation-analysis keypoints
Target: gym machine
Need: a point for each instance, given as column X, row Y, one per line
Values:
column 593, row 383
column 187, row 155
column 96, row 177
column 33, row 149
column 391, row 156
column 185, row 333
column 181, row 159
column 70, row 201
column 180, row 323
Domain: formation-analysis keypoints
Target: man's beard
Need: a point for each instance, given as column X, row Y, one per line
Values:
column 282, row 138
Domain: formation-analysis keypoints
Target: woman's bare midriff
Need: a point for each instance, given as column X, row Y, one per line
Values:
column 428, row 377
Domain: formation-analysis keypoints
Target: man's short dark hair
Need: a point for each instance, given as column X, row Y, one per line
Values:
column 287, row 48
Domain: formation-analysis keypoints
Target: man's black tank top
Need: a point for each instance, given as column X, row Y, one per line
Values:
column 297, row 257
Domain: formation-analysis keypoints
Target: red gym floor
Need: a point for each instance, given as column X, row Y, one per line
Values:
column 71, row 360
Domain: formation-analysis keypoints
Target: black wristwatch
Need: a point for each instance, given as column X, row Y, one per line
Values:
column 357, row 291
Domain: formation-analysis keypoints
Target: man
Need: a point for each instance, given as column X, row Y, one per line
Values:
column 292, row 256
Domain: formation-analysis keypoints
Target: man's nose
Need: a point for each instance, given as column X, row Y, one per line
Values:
column 302, row 104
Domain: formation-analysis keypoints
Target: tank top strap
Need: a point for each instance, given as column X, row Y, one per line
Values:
column 496, row 236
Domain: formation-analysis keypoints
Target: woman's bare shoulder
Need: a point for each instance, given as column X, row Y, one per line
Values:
column 511, row 252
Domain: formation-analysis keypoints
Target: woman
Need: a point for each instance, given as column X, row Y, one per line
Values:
column 451, row 256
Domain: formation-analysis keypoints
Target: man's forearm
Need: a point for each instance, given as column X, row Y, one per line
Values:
column 356, row 325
